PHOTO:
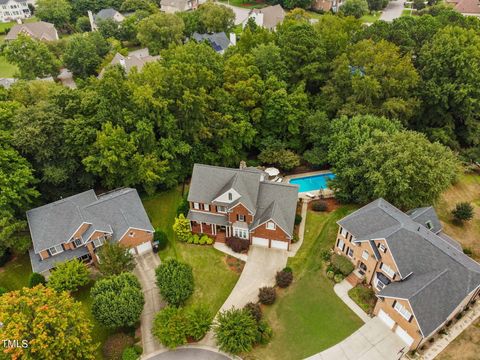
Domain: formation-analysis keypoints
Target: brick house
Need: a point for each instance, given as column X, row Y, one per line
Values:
column 420, row 275
column 228, row 202
column 75, row 227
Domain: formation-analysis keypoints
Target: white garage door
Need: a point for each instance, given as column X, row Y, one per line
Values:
column 142, row 248
column 386, row 319
column 404, row 335
column 277, row 244
column 260, row 241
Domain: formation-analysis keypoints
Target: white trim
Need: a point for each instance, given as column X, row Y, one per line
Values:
column 245, row 206
column 71, row 237
column 270, row 225
column 202, row 212
column 363, row 253
column 131, row 227
column 411, row 308
column 286, row 232
column 403, row 311
column 196, row 205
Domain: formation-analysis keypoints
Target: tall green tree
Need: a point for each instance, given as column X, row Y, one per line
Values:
column 215, row 18
column 159, row 31
column 69, row 276
column 84, row 52
column 57, row 12
column 355, row 8
column 115, row 259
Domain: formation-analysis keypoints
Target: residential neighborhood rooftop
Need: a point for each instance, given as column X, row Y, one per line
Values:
column 40, row 30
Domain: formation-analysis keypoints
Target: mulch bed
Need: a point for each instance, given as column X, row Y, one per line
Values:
column 234, row 264
column 332, row 204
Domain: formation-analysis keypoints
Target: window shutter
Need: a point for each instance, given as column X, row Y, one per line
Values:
column 394, row 303
column 411, row 318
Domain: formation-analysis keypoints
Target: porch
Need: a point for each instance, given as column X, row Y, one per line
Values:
column 216, row 232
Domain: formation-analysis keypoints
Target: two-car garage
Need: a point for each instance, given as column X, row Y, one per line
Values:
column 402, row 334
column 274, row 244
column 142, row 248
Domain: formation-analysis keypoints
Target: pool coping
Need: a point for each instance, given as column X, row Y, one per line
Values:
column 326, row 193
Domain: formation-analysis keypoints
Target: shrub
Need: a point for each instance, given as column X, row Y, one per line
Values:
column 330, row 274
column 204, row 239
column 209, row 241
column 283, row 279
column 183, row 207
column 115, row 344
column 264, row 333
column 295, row 238
column 467, row 251
column 255, row 310
column 175, row 281
column 463, row 212
column 287, row 269
column 341, row 264
column 5, row 255
column 190, row 240
column 199, row 321
column 161, row 238
column 298, row 219
column 138, row 349
column 338, row 278
column 69, row 276
column 320, row 206
column 236, row 331
column 325, row 255
column 115, row 259
column 170, row 327
column 195, row 239
column 181, row 228
column 35, row 278
column 238, row 245
column 3, row 290
column 267, row 295
column 129, row 354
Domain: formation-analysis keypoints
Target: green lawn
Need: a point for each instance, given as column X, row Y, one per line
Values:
column 7, row 70
column 309, row 317
column 14, row 275
column 371, row 18
column 252, row 4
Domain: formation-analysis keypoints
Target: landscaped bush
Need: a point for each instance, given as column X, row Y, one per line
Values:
column 330, row 274
column 463, row 212
column 115, row 344
column 183, row 207
column 255, row 310
column 175, row 281
column 267, row 295
column 238, row 245
column 236, row 331
column 35, row 278
column 199, row 320
column 69, row 276
column 364, row 297
column 130, row 354
column 264, row 333
column 138, row 349
column 325, row 255
column 295, row 238
column 170, row 327
column 161, row 238
column 195, row 239
column 284, row 278
column 3, row 290
column 181, row 228
column 467, row 251
column 320, row 206
column 338, row 278
column 298, row 219
column 341, row 264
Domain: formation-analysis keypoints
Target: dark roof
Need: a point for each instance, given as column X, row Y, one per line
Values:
column 105, row 14
column 219, row 41
column 218, row 219
column 40, row 30
column 436, row 274
column 427, row 217
column 39, row 265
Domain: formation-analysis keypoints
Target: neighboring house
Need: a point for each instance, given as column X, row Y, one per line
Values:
column 420, row 275
column 268, row 17
column 327, row 5
column 39, row 30
column 109, row 14
column 12, row 10
column 75, row 227
column 466, row 7
column 173, row 6
column 218, row 41
column 137, row 58
column 241, row 203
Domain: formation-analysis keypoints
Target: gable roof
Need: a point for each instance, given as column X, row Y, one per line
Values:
column 136, row 59
column 468, row 7
column 181, row 5
column 105, row 14
column 218, row 41
column 272, row 15
column 436, row 274
column 40, row 30
column 424, row 215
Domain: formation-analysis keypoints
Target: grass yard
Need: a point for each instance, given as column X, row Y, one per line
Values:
column 309, row 317
column 466, row 189
column 371, row 17
column 14, row 275
column 7, row 70
column 248, row 4
column 466, row 344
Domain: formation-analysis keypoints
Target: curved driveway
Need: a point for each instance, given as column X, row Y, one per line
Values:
column 392, row 11
column 189, row 354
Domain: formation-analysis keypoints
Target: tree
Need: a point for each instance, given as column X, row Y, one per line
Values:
column 170, row 327
column 175, row 281
column 355, row 8
column 181, row 228
column 35, row 278
column 69, row 276
column 115, row 259
column 54, row 325
column 32, row 57
column 160, row 30
column 419, row 4
column 215, row 18
column 57, row 12
column 292, row 4
column 277, row 155
column 117, row 300
column 377, row 5
column 80, row 55
column 235, row 331
column 83, row 24
column 463, row 211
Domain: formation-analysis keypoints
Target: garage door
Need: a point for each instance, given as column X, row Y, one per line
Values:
column 404, row 335
column 142, row 248
column 386, row 319
column 260, row 241
column 277, row 244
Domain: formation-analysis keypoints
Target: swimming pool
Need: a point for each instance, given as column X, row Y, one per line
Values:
column 314, row 182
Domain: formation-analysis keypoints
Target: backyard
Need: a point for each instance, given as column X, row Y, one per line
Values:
column 467, row 344
column 309, row 317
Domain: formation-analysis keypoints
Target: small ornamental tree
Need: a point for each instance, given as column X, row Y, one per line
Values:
column 175, row 281
column 236, row 331
column 69, row 276
column 463, row 212
column 255, row 310
column 54, row 325
column 267, row 295
column 284, row 278
column 199, row 320
column 115, row 259
column 117, row 301
column 35, row 279
column 170, row 327
column 181, row 228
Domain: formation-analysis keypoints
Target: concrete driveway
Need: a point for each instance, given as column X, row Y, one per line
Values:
column 145, row 272
column 373, row 341
column 189, row 353
column 392, row 11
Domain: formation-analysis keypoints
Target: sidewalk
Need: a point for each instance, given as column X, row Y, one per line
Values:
column 341, row 289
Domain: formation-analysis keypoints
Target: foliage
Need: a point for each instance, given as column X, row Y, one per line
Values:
column 115, row 259
column 161, row 237
column 35, row 278
column 237, row 244
column 463, row 211
column 283, row 279
column 341, row 264
column 117, row 300
column 325, row 254
column 215, row 18
column 330, row 274
column 320, row 206
column 364, row 297
column 83, row 24
column 377, row 5
column 355, row 8
column 267, row 295
column 130, row 354
column 418, row 4
column 298, row 219
column 338, row 278
column 160, row 30
column 69, row 276
column 175, row 281
column 235, row 331
column 115, row 345
column 53, row 323
column 5, row 255
column 264, row 333
column 54, row 11
column 199, row 321
column 3, row 290
column 181, row 228
column 275, row 155
column 183, row 207
column 255, row 310
column 170, row 327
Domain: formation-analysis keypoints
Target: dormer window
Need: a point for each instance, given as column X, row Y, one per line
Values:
column 55, row 250
column 78, row 242
column 429, row 225
column 196, row 206
column 230, row 196
column 221, row 209
column 382, row 248
column 271, row 225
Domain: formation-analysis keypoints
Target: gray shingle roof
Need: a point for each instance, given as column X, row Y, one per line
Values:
column 39, row 265
column 425, row 215
column 105, row 14
column 219, row 41
column 437, row 275
column 40, row 30
column 207, row 217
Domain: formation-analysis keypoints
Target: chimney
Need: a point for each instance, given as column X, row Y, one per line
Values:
column 243, row 165
column 93, row 26
column 233, row 39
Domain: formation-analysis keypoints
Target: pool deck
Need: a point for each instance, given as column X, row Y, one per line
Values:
column 324, row 193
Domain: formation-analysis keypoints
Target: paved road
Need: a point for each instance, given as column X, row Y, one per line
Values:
column 241, row 14
column 392, row 11
column 145, row 272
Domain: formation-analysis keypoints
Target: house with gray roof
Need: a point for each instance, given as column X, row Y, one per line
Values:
column 268, row 17
column 173, row 6
column 109, row 14
column 39, row 30
column 135, row 59
column 218, row 41
column 77, row 226
column 420, row 275
column 242, row 203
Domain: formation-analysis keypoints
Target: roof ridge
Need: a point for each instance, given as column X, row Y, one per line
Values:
column 227, row 168
column 268, row 182
column 110, row 195
column 429, row 282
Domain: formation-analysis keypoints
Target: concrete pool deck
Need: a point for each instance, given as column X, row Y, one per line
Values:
column 321, row 193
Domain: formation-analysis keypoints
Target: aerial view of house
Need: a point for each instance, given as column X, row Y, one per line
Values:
column 39, row 30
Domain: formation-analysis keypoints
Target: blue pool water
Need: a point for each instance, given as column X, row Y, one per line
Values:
column 315, row 182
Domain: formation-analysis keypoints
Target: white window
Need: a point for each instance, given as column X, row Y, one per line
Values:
column 78, row 242
column 340, row 244
column 343, row 232
column 206, row 207
column 350, row 253
column 241, row 233
column 55, row 250
column 379, row 285
column 270, row 225
column 221, row 209
column 429, row 225
column 365, row 255
column 99, row 242
column 382, row 248
column 402, row 311
column 241, row 217
column 387, row 270
column 196, row 206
